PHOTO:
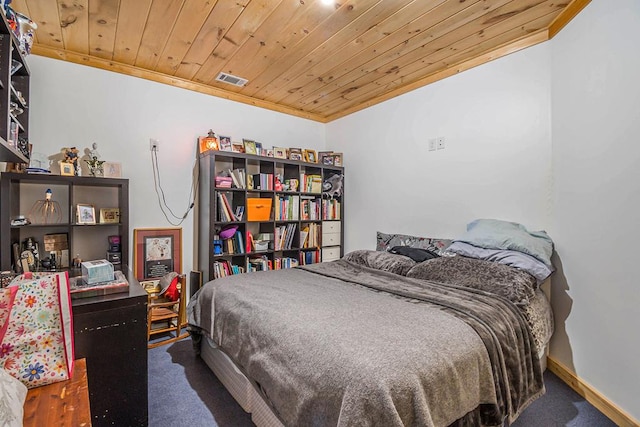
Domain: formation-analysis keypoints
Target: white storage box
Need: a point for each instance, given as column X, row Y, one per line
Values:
column 97, row 271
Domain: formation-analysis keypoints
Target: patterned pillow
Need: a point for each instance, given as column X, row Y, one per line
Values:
column 518, row 286
column 385, row 261
column 384, row 242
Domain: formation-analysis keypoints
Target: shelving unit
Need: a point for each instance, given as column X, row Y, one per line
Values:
column 278, row 219
column 14, row 87
column 20, row 191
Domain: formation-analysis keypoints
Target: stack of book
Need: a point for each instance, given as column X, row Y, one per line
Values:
column 223, row 181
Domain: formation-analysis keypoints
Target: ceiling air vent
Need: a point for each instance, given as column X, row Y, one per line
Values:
column 233, row 80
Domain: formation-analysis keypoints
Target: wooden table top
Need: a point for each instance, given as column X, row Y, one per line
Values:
column 65, row 403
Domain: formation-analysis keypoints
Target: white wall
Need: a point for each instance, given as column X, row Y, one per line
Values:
column 74, row 105
column 596, row 156
column 496, row 164
column 547, row 137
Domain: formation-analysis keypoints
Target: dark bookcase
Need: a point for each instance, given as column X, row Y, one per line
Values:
column 277, row 218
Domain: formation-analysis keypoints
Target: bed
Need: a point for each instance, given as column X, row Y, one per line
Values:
column 376, row 338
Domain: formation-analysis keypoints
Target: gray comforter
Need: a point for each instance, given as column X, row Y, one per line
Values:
column 341, row 344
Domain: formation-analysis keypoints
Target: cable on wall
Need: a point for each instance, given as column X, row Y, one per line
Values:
column 162, row 202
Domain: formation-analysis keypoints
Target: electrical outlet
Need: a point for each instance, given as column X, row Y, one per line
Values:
column 440, row 143
column 433, row 144
column 154, row 145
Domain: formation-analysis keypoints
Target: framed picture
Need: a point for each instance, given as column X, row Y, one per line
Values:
column 225, row 143
column 337, row 159
column 112, row 170
column 327, row 160
column 310, row 156
column 237, row 147
column 249, row 146
column 67, row 169
column 295, row 154
column 322, row 155
column 259, row 151
column 279, row 152
column 156, row 252
column 85, row 214
column 109, row 215
column 269, row 152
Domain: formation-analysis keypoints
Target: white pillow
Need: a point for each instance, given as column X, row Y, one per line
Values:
column 12, row 396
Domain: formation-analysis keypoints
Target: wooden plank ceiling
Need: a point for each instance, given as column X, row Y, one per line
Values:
column 300, row 57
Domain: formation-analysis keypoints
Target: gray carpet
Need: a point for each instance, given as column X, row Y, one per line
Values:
column 184, row 392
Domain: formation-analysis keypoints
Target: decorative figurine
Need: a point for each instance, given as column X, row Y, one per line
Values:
column 95, row 165
column 71, row 156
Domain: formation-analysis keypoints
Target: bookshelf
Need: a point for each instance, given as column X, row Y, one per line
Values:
column 257, row 213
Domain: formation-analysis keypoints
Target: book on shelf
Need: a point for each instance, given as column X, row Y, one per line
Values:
column 287, row 207
column 311, row 183
column 237, row 177
column 224, row 208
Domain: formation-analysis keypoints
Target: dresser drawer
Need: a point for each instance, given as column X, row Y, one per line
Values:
column 330, row 239
column 331, row 226
column 330, row 254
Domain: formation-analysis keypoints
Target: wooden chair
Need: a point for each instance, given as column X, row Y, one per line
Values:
column 166, row 317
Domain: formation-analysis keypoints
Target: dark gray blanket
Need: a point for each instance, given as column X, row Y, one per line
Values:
column 341, row 344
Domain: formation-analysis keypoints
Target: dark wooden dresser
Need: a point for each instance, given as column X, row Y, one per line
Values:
column 111, row 333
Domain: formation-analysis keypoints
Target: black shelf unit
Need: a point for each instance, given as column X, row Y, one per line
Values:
column 209, row 224
column 14, row 87
column 19, row 192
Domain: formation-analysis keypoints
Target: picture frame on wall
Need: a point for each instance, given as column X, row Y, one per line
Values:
column 85, row 214
column 157, row 251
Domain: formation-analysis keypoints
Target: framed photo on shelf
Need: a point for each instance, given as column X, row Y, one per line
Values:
column 259, row 151
column 269, row 152
column 67, row 169
column 327, row 160
column 337, row 159
column 109, row 215
column 237, row 147
column 249, row 146
column 112, row 170
column 225, row 143
column 295, row 154
column 310, row 156
column 322, row 155
column 85, row 214
column 279, row 152
column 156, row 252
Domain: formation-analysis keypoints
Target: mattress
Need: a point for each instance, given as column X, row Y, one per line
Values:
column 250, row 399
